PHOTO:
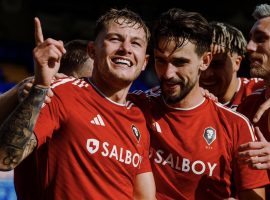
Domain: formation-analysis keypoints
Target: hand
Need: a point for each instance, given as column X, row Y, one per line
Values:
column 208, row 94
column 47, row 55
column 261, row 110
column 256, row 154
column 25, row 86
column 59, row 76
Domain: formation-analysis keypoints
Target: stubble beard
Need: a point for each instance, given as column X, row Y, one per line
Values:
column 176, row 98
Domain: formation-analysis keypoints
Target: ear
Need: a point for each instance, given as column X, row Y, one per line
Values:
column 206, row 59
column 91, row 49
column 145, row 61
column 237, row 59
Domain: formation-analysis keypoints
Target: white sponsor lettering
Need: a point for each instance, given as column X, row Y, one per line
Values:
column 114, row 152
column 197, row 167
column 211, row 168
column 185, row 165
column 159, row 157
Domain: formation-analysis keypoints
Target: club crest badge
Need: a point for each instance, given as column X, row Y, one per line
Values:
column 136, row 132
column 209, row 135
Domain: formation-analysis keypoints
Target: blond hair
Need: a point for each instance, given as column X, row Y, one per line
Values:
column 228, row 37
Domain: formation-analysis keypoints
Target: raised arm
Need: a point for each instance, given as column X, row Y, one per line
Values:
column 17, row 139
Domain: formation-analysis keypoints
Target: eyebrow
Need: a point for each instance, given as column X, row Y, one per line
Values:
column 259, row 32
column 121, row 36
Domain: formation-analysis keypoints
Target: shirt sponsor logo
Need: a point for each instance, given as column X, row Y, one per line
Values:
column 209, row 135
column 113, row 152
column 197, row 167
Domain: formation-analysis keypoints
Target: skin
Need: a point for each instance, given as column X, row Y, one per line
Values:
column 257, row 154
column 11, row 98
column 259, row 55
column 114, row 47
column 259, row 49
column 179, row 71
column 220, row 78
column 121, row 57
column 85, row 69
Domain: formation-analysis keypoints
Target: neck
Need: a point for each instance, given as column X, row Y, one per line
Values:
column 115, row 94
column 231, row 90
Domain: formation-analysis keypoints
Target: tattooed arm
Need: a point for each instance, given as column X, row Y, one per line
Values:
column 10, row 99
column 17, row 139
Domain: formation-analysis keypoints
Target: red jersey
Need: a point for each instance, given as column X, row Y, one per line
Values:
column 88, row 146
column 250, row 106
column 246, row 87
column 194, row 151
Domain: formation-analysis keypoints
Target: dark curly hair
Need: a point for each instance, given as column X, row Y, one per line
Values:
column 180, row 26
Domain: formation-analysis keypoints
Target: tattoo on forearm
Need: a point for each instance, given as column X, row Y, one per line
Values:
column 16, row 134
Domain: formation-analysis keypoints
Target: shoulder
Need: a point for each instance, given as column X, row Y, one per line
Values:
column 252, row 83
column 252, row 102
column 231, row 115
column 69, row 84
column 251, row 80
column 146, row 96
column 254, row 96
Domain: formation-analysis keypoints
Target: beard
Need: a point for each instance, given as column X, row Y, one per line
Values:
column 172, row 97
column 259, row 73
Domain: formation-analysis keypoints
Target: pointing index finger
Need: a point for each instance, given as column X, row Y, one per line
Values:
column 38, row 32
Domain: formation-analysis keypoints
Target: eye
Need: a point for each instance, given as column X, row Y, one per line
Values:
column 260, row 38
column 135, row 43
column 114, row 39
column 159, row 61
column 178, row 63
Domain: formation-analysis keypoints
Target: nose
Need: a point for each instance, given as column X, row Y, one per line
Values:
column 251, row 46
column 125, row 47
column 167, row 71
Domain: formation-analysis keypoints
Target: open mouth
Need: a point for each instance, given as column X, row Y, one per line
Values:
column 121, row 61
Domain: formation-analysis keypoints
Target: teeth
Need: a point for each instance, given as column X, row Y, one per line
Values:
column 122, row 61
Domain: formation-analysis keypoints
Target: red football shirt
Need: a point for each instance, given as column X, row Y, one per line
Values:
column 246, row 87
column 88, row 146
column 250, row 106
column 194, row 151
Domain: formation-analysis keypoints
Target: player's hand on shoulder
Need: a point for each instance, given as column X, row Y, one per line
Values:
column 208, row 94
column 24, row 87
column 255, row 154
